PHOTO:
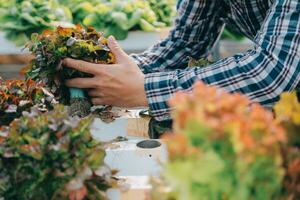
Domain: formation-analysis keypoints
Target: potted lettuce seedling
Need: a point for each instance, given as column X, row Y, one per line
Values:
column 51, row 47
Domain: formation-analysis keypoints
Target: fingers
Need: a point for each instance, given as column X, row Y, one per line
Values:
column 83, row 66
column 97, row 97
column 95, row 93
column 116, row 48
column 83, row 83
column 99, row 101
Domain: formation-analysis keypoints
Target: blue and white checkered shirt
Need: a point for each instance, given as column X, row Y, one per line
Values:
column 261, row 73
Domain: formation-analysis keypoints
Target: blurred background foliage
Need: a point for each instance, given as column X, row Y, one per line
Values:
column 20, row 18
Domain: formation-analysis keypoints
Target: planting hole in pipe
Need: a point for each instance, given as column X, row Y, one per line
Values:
column 148, row 144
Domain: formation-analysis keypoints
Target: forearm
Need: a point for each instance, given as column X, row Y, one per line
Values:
column 262, row 84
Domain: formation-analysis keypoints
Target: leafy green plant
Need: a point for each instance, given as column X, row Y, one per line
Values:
column 17, row 96
column 164, row 10
column 51, row 47
column 118, row 17
column 5, row 4
column 52, row 156
column 223, row 147
column 80, row 8
column 20, row 18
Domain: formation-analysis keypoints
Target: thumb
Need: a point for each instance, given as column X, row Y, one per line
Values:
column 116, row 49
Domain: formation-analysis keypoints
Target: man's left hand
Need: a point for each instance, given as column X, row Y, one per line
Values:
column 120, row 84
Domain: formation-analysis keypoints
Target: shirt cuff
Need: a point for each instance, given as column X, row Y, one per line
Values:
column 159, row 89
column 141, row 62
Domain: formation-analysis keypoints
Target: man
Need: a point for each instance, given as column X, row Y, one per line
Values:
column 151, row 78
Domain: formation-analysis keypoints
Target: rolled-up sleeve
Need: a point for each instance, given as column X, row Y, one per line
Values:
column 262, row 73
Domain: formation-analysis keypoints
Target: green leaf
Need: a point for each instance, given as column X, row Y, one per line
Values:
column 134, row 19
column 82, row 10
column 19, row 39
column 120, row 19
column 146, row 26
column 29, row 18
column 116, row 31
column 93, row 20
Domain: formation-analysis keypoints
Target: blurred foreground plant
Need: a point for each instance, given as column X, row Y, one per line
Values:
column 52, row 156
column 223, row 147
column 287, row 112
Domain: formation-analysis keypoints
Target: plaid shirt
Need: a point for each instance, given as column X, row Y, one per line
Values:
column 262, row 73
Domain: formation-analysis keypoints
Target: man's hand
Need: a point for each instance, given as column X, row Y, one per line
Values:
column 120, row 84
